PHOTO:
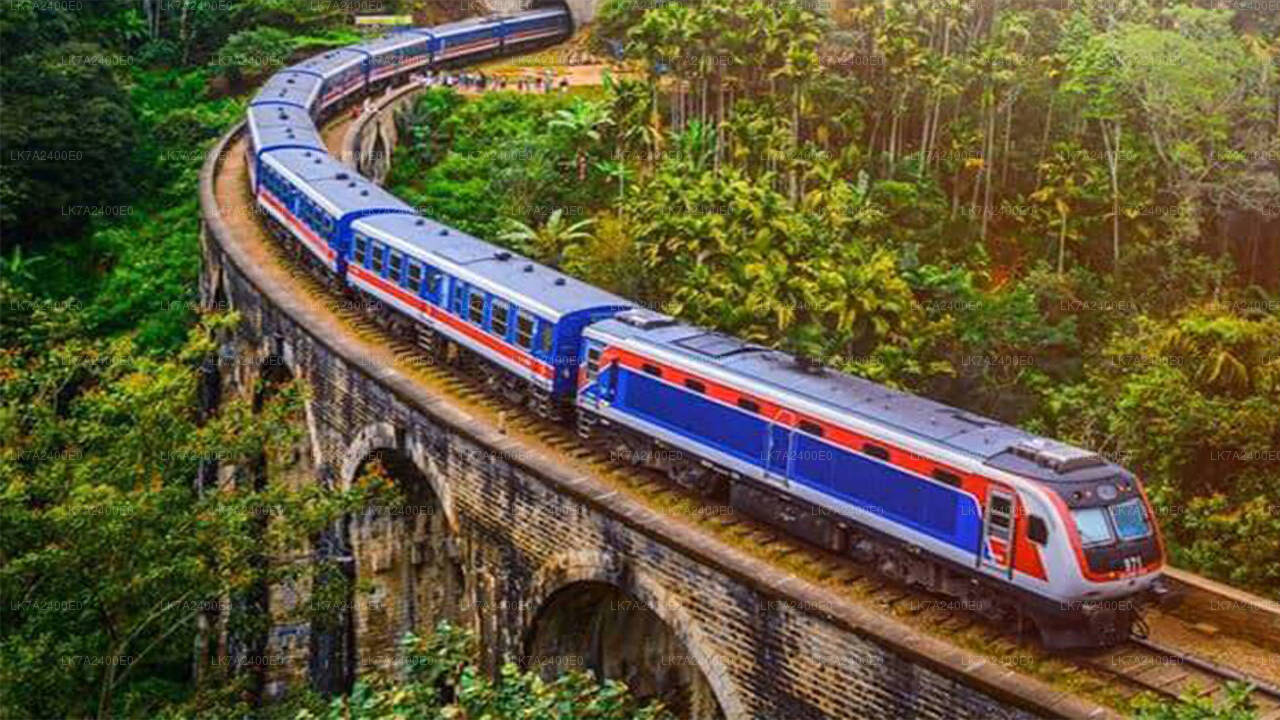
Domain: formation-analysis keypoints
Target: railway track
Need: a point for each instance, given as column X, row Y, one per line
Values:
column 1169, row 673
column 1113, row 677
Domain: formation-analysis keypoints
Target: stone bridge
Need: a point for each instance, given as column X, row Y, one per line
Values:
column 547, row 563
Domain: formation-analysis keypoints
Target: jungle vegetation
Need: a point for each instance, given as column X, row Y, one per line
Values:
column 1063, row 215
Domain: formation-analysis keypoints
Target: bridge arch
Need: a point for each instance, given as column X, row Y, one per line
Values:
column 591, row 607
column 385, row 437
column 406, row 550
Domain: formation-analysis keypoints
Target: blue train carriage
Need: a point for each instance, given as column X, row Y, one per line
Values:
column 314, row 199
column 543, row 25
column 467, row 39
column 520, row 322
column 398, row 53
column 923, row 491
column 343, row 73
column 278, row 127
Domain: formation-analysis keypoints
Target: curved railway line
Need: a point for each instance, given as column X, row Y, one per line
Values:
column 1171, row 663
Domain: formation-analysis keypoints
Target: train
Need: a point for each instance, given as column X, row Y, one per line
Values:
column 1018, row 528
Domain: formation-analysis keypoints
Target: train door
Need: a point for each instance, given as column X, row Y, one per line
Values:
column 997, row 530
column 777, row 461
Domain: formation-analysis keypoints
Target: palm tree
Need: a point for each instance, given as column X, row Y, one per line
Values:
column 18, row 267
column 648, row 40
column 582, row 123
column 616, row 169
column 1064, row 183
column 549, row 242
column 801, row 64
column 630, row 111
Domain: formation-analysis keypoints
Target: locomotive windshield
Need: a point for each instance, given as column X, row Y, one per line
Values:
column 1093, row 526
column 1131, row 520
column 1102, row 525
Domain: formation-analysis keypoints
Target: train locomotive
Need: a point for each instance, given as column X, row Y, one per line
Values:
column 1012, row 526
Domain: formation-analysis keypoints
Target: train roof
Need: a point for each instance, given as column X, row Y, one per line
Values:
column 330, row 63
column 539, row 288
column 286, row 136
column 336, row 187
column 291, row 87
column 981, row 438
column 535, row 14
column 282, row 125
column 461, row 26
column 393, row 41
column 307, row 164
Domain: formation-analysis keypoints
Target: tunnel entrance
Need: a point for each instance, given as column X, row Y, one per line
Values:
column 598, row 627
column 406, row 555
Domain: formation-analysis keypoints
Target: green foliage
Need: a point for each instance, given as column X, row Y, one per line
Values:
column 478, row 165
column 1192, row 404
column 732, row 253
column 443, row 681
column 549, row 242
column 256, row 51
column 138, row 270
column 1194, row 706
column 66, row 125
column 110, row 549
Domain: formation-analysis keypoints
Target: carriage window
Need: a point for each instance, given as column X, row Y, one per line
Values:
column 377, row 258
column 695, row 385
column 749, row 405
column 548, row 336
column 459, row 299
column 498, row 319
column 875, row 451
column 361, row 250
column 476, row 312
column 524, row 331
column 810, row 427
column 415, row 275
column 434, row 281
column 1000, row 514
column 397, row 260
column 949, row 478
column 653, row 370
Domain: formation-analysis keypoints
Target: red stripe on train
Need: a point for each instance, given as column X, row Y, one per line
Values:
column 316, row 243
column 506, row 350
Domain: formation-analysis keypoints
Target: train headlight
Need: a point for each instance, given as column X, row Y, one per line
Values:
column 1107, row 492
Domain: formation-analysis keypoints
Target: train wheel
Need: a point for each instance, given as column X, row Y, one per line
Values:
column 689, row 473
column 545, row 406
column 625, row 449
column 586, row 425
column 431, row 344
column 513, row 390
